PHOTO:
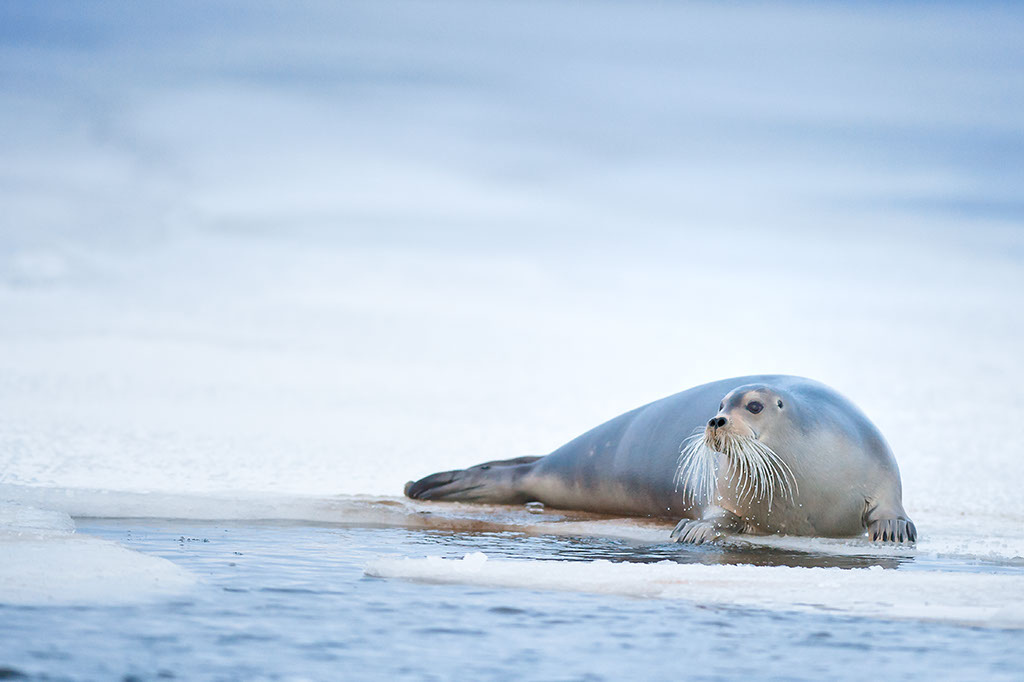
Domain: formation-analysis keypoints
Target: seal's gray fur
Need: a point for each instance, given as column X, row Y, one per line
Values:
column 834, row 475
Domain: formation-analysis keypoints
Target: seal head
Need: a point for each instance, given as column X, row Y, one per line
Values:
column 773, row 460
column 736, row 448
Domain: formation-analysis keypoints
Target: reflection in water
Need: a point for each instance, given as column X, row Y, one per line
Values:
column 519, row 546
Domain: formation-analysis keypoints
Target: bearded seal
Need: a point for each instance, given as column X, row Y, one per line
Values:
column 781, row 455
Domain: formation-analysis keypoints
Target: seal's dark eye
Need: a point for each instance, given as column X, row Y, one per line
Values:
column 754, row 406
column 721, row 406
column 780, row 404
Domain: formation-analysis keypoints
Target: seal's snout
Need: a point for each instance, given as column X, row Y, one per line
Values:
column 717, row 422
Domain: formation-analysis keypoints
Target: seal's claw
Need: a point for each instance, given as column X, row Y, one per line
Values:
column 892, row 530
column 695, row 532
column 678, row 530
column 911, row 531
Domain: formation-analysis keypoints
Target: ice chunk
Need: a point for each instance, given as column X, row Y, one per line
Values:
column 45, row 562
column 972, row 598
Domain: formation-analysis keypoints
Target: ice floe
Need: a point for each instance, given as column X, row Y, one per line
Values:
column 986, row 599
column 46, row 562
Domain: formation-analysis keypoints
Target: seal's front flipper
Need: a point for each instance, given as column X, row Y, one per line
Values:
column 708, row 529
column 892, row 530
column 692, row 532
column 496, row 482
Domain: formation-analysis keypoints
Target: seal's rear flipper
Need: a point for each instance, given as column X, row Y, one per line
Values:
column 494, row 482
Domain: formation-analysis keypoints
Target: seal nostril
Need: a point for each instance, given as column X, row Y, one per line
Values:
column 711, row 422
column 721, row 421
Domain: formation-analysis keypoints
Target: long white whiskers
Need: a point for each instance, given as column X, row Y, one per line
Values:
column 760, row 472
column 696, row 471
column 755, row 471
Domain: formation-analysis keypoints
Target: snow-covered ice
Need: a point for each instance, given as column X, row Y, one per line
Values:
column 279, row 276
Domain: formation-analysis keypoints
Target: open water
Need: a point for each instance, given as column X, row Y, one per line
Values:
column 291, row 601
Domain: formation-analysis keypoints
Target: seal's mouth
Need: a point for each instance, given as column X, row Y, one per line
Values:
column 715, row 458
column 714, row 439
